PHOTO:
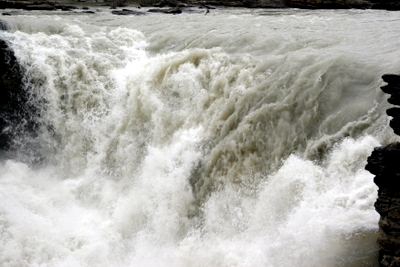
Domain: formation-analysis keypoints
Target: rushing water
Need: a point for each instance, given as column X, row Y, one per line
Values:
column 233, row 139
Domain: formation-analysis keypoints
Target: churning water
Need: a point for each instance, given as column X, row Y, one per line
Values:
column 233, row 139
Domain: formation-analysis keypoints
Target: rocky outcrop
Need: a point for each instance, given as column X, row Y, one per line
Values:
column 384, row 163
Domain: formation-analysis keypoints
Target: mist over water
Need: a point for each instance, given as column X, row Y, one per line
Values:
column 233, row 139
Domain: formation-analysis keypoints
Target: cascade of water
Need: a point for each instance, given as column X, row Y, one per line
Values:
column 166, row 147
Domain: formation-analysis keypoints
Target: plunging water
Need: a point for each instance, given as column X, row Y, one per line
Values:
column 233, row 139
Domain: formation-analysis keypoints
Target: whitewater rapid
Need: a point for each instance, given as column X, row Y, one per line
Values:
column 233, row 139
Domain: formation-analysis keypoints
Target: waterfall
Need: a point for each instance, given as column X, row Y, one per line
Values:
column 239, row 140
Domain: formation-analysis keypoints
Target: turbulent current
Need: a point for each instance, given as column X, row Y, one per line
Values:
column 238, row 138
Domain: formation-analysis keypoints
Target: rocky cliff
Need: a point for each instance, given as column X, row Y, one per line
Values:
column 384, row 163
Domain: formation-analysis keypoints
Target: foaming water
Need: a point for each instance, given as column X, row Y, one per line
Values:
column 180, row 141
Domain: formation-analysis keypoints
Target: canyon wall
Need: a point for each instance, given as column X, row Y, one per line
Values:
column 384, row 163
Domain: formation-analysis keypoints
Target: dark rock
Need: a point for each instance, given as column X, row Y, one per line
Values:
column 388, row 207
column 11, row 94
column 395, row 125
column 394, row 99
column 5, row 4
column 393, row 112
column 391, row 88
column 387, row 5
column 207, row 7
column 6, row 14
column 118, row 3
column 125, row 12
column 389, row 261
column 175, row 10
column 382, row 206
column 65, row 8
column 384, row 160
column 306, row 4
column 319, row 4
column 389, row 244
column 34, row 5
column 167, row 3
column 89, row 12
column 391, row 78
column 40, row 7
column 387, row 183
column 20, row 110
column 389, row 226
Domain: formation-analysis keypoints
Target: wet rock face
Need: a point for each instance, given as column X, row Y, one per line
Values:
column 18, row 113
column 393, row 88
column 384, row 162
column 11, row 97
